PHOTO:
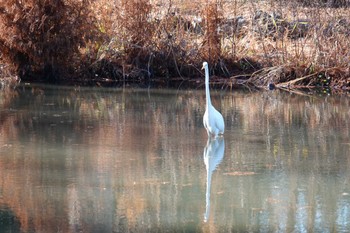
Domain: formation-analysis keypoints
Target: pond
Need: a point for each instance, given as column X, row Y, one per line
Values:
column 136, row 160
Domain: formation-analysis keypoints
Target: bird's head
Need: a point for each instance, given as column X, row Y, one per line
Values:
column 204, row 65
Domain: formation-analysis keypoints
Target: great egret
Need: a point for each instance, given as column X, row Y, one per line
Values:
column 212, row 120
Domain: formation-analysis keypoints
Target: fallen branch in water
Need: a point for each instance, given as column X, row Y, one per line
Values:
column 291, row 82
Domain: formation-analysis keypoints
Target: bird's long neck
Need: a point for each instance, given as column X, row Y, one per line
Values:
column 207, row 92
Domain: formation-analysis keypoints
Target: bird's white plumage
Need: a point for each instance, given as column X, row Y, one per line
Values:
column 212, row 120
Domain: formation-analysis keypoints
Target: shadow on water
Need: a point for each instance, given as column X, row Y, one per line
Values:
column 9, row 222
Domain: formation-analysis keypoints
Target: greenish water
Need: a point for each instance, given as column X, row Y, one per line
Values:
column 131, row 160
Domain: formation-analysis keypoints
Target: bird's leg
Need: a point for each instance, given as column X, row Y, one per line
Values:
column 209, row 134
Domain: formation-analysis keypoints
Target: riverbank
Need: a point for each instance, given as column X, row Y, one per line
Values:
column 264, row 44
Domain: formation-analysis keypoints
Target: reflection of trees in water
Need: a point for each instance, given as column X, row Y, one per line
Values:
column 283, row 124
column 93, row 123
column 292, row 141
column 8, row 220
column 298, row 143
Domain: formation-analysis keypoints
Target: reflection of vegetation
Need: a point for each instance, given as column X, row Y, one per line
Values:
column 277, row 115
column 8, row 221
column 135, row 158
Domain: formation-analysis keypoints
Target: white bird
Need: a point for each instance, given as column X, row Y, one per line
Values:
column 212, row 120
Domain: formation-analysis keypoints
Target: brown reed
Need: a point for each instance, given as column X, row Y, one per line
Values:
column 211, row 43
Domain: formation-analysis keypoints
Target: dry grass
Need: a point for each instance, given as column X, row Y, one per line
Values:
column 42, row 39
column 211, row 44
column 289, row 43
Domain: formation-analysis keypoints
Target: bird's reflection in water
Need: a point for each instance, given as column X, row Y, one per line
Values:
column 212, row 155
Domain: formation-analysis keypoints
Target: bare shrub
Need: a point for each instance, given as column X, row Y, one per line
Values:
column 44, row 38
column 212, row 41
column 145, row 39
column 325, row 3
column 133, row 25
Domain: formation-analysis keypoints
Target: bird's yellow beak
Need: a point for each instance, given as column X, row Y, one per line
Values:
column 202, row 67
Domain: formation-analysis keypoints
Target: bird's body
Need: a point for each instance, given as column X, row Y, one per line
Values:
column 212, row 120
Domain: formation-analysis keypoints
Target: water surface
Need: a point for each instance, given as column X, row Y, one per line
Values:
column 133, row 160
